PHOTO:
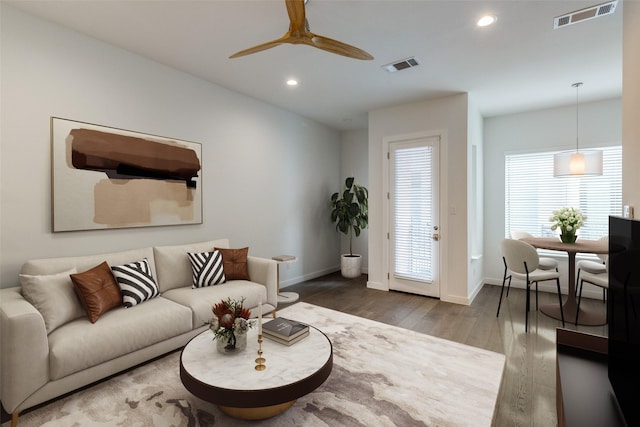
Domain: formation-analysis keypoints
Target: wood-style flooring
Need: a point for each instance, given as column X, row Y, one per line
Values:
column 527, row 395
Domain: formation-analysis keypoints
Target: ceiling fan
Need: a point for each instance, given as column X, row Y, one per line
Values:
column 299, row 34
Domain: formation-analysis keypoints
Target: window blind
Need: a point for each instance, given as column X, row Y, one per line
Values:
column 412, row 205
column 532, row 193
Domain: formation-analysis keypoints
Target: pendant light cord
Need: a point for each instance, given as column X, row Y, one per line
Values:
column 577, row 85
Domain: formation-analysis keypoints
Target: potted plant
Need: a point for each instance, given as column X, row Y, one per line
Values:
column 350, row 212
column 568, row 220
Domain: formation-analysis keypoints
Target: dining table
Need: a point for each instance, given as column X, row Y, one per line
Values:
column 570, row 306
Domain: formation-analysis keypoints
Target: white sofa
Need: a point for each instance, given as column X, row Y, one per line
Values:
column 36, row 366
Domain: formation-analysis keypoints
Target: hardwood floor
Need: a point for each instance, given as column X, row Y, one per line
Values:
column 527, row 395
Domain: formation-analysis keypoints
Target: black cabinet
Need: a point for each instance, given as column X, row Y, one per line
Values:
column 584, row 396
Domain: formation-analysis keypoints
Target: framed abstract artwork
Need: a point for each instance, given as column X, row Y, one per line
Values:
column 104, row 178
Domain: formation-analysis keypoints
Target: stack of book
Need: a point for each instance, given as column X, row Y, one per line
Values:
column 285, row 331
column 284, row 258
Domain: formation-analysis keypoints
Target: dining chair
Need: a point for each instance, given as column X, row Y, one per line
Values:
column 597, row 279
column 545, row 262
column 505, row 276
column 523, row 261
column 593, row 267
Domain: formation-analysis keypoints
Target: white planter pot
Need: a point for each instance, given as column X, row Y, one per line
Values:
column 351, row 265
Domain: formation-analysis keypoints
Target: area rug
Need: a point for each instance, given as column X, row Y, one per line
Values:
column 382, row 376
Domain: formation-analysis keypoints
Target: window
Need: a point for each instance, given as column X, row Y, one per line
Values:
column 532, row 193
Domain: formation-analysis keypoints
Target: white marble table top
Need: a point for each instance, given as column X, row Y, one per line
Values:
column 285, row 364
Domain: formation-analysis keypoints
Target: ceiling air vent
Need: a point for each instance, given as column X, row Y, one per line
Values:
column 585, row 14
column 401, row 65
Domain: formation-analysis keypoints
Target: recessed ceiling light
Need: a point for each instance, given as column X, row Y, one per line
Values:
column 487, row 20
column 292, row 82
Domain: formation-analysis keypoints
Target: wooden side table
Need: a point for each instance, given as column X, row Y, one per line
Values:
column 285, row 297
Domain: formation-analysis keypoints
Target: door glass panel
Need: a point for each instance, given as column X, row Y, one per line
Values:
column 412, row 211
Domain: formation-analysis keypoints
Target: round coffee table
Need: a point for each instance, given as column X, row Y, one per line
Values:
column 232, row 382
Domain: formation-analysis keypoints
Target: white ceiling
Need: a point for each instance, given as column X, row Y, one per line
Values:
column 518, row 64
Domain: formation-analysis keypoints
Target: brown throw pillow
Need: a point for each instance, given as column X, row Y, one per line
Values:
column 97, row 290
column 234, row 263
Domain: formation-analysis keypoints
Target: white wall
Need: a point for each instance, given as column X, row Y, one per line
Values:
column 355, row 162
column 544, row 130
column 267, row 173
column 475, row 185
column 631, row 105
column 447, row 116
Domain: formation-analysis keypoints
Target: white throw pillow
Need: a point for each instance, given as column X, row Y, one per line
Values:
column 53, row 296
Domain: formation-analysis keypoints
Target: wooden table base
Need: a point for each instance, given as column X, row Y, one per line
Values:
column 256, row 413
column 569, row 310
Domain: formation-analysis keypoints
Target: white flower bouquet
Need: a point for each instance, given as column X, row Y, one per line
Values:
column 568, row 220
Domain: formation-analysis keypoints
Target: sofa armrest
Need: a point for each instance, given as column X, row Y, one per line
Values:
column 265, row 271
column 24, row 351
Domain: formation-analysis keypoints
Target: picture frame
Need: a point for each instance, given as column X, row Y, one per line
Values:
column 106, row 178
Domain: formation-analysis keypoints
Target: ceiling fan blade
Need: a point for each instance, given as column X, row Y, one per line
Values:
column 295, row 9
column 337, row 47
column 299, row 34
column 259, row 48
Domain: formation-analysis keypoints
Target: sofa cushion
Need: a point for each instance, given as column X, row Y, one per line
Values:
column 136, row 282
column 97, row 290
column 172, row 263
column 80, row 345
column 207, row 268
column 53, row 296
column 235, row 263
column 201, row 300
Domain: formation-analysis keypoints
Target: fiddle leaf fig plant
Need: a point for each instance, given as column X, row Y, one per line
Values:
column 350, row 210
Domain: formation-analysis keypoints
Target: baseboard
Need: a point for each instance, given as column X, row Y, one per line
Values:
column 310, row 276
column 476, row 290
column 455, row 299
column 377, row 285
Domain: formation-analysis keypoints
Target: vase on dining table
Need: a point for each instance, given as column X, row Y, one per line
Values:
column 568, row 236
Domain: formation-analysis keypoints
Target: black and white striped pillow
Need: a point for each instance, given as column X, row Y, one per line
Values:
column 136, row 282
column 207, row 268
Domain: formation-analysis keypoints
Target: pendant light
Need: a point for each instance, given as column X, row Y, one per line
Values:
column 577, row 163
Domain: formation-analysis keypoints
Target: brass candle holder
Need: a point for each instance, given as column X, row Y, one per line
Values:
column 260, row 366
